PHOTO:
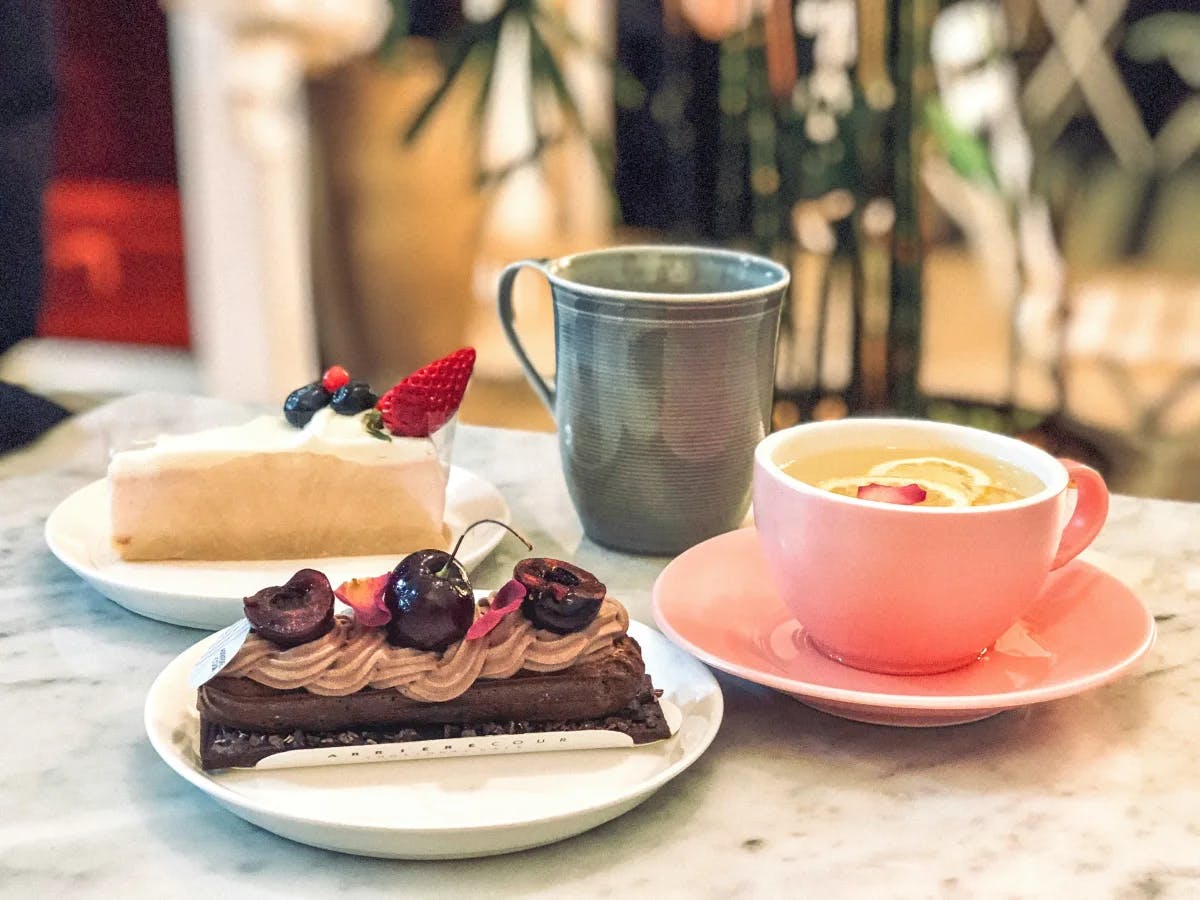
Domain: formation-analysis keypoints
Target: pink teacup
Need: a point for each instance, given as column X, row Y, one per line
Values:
column 914, row 589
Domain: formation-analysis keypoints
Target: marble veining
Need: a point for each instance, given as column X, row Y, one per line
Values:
column 1092, row 796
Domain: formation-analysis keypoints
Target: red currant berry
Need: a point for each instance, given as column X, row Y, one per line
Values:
column 334, row 378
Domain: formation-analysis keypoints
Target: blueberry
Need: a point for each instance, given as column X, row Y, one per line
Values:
column 353, row 397
column 301, row 403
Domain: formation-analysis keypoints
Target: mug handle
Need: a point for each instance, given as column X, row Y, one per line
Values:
column 504, row 304
column 1091, row 509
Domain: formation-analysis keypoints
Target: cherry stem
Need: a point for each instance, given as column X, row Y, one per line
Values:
column 445, row 570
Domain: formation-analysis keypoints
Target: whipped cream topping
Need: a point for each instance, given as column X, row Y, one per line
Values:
column 326, row 433
column 352, row 657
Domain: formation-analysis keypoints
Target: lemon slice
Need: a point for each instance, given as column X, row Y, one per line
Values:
column 937, row 493
column 966, row 478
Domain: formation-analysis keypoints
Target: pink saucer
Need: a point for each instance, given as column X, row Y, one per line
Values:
column 715, row 601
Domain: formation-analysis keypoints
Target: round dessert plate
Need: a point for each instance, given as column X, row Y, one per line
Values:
column 449, row 808
column 716, row 602
column 209, row 594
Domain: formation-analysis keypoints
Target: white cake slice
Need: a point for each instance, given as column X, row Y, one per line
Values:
column 267, row 490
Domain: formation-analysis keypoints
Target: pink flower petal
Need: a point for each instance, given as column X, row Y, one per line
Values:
column 905, row 495
column 365, row 597
column 507, row 599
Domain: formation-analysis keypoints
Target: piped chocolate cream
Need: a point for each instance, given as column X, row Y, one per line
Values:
column 350, row 657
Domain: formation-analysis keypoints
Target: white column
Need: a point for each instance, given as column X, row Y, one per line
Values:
column 238, row 68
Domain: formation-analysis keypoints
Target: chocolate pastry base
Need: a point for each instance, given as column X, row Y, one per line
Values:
column 223, row 747
column 239, row 717
column 595, row 687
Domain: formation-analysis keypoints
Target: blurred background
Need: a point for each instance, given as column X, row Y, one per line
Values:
column 989, row 208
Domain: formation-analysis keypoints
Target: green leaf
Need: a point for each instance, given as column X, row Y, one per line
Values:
column 485, row 178
column 545, row 68
column 478, row 114
column 628, row 91
column 487, row 59
column 472, row 40
column 966, row 153
column 397, row 29
column 373, row 423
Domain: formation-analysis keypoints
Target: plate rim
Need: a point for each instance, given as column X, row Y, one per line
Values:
column 232, row 799
column 87, row 570
column 912, row 702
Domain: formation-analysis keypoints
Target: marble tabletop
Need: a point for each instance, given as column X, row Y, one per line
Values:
column 1097, row 795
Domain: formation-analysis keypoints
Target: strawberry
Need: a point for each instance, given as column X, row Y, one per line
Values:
column 425, row 400
column 334, row 378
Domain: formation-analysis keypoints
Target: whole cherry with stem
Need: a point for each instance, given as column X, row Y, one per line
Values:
column 430, row 597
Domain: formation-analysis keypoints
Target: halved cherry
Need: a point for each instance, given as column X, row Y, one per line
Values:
column 293, row 613
column 560, row 597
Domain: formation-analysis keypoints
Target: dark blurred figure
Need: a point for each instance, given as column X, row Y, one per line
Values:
column 26, row 112
column 26, row 127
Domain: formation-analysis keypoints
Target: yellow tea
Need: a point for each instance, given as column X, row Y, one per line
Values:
column 948, row 476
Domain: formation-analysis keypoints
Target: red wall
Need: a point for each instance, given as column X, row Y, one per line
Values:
column 114, row 254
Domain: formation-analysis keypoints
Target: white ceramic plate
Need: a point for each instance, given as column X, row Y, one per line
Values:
column 447, row 808
column 209, row 594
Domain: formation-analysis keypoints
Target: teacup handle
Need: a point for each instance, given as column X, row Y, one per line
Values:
column 1091, row 509
column 504, row 303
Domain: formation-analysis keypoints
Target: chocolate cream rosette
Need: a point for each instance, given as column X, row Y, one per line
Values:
column 419, row 660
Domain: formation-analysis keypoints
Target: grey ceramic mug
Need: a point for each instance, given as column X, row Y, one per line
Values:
column 665, row 363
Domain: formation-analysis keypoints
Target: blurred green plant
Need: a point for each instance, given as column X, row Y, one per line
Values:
column 1171, row 37
column 477, row 44
column 967, row 153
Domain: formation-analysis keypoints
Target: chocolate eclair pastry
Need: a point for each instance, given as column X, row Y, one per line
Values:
column 599, row 687
column 225, row 747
